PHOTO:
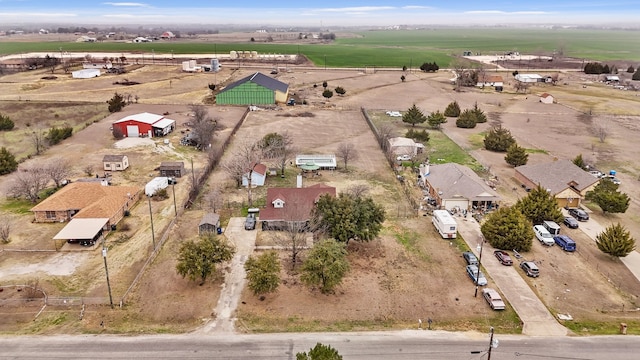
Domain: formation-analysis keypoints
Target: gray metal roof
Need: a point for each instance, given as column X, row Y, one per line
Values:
column 556, row 175
column 262, row 80
column 457, row 181
column 110, row 158
column 210, row 218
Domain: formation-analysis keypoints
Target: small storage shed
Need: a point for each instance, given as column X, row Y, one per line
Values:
column 115, row 162
column 172, row 168
column 546, row 98
column 210, row 223
column 85, row 73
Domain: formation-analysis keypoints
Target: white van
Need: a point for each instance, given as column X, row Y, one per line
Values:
column 551, row 227
column 543, row 235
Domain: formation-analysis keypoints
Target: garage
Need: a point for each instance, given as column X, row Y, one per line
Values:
column 133, row 131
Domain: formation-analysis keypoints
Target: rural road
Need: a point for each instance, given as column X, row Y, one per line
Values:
column 396, row 345
column 536, row 319
column 234, row 280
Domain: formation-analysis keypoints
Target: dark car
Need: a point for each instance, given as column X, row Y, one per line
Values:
column 530, row 268
column 571, row 223
column 470, row 258
column 250, row 223
column 503, row 257
column 579, row 214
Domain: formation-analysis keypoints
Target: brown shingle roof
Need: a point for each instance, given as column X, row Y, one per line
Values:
column 454, row 180
column 557, row 175
column 300, row 201
column 94, row 200
column 113, row 158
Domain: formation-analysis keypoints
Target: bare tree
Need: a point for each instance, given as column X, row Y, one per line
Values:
column 347, row 152
column 601, row 129
column 5, row 229
column 214, row 200
column 204, row 127
column 459, row 69
column 38, row 137
column 57, row 169
column 88, row 170
column 242, row 163
column 521, row 86
column 357, row 190
column 295, row 229
column 278, row 148
column 385, row 131
column 28, row 183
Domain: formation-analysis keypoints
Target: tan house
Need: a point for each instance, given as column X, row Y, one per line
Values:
column 562, row 178
column 87, row 200
column 115, row 162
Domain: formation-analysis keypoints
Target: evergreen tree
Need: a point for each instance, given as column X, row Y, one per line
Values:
column 630, row 69
column 348, row 217
column 340, row 90
column 452, row 110
column 413, row 116
column 508, row 229
column 498, row 139
column 607, row 196
column 479, row 114
column 516, row 155
column 327, row 94
column 436, row 119
column 467, row 120
column 116, row 103
column 8, row 163
column 636, row 75
column 403, row 78
column 540, row 205
column 198, row 259
column 263, row 273
column 579, row 162
column 616, row 241
column 326, row 265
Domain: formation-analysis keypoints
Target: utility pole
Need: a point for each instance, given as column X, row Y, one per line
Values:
column 153, row 235
column 175, row 208
column 106, row 270
column 490, row 344
column 479, row 262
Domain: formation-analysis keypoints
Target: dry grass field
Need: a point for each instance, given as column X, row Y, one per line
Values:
column 405, row 274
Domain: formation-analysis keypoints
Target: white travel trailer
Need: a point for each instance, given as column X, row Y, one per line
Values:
column 445, row 224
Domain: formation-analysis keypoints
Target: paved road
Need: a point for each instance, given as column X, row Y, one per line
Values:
column 234, row 281
column 396, row 345
column 536, row 318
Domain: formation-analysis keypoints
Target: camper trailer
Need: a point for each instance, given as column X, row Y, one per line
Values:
column 445, row 224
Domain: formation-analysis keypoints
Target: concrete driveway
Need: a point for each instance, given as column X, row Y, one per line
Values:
column 536, row 319
column 234, row 280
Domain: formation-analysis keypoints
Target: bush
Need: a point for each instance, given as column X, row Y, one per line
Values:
column 636, row 75
column 467, row 120
column 422, row 136
column 8, row 163
column 116, row 103
column 6, row 123
column 56, row 135
column 498, row 139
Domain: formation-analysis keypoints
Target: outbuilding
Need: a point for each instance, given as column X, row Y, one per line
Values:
column 157, row 183
column 85, row 73
column 172, row 168
column 145, row 125
column 210, row 223
column 405, row 146
column 546, row 98
column 115, row 162
column 256, row 89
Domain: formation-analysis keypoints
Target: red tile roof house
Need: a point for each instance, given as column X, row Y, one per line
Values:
column 87, row 200
column 287, row 205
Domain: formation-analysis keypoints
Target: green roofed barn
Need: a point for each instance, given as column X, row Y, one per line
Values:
column 256, row 89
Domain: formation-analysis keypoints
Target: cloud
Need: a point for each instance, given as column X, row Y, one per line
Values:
column 413, row 7
column 358, row 9
column 23, row 14
column 500, row 12
column 128, row 4
column 131, row 16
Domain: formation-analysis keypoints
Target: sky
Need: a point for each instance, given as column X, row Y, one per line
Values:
column 323, row 13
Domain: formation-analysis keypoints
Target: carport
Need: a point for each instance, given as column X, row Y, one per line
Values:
column 82, row 231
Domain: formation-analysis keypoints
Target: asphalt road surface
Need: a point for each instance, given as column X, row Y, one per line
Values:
column 409, row 344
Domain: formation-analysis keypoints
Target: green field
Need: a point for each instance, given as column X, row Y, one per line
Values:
column 408, row 48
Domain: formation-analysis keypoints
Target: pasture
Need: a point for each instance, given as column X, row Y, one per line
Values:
column 400, row 48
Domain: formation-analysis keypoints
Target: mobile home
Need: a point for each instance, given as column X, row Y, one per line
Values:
column 445, row 224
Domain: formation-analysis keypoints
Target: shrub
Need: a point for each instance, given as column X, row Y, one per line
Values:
column 6, row 123
column 56, row 135
column 467, row 120
column 452, row 110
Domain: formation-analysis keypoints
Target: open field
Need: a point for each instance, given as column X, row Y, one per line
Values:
column 398, row 48
column 406, row 274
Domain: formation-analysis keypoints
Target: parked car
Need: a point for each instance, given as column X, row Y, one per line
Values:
column 530, row 268
column 565, row 242
column 579, row 214
column 543, row 235
column 470, row 258
column 571, row 222
column 596, row 173
column 394, row 113
column 475, row 275
column 503, row 257
column 404, row 158
column 493, row 298
column 250, row 223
